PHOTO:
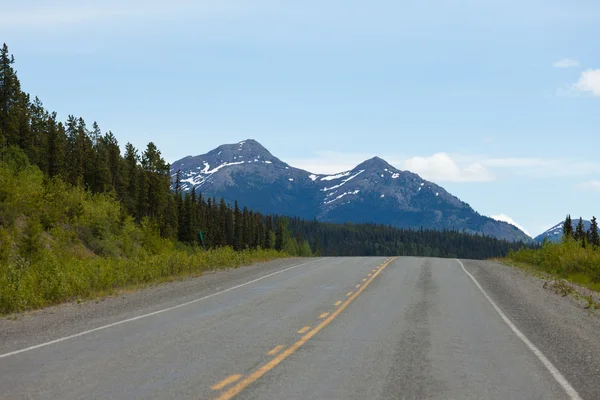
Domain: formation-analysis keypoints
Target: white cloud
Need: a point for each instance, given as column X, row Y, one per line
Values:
column 506, row 218
column 589, row 82
column 440, row 167
column 590, row 185
column 329, row 162
column 515, row 162
column 566, row 63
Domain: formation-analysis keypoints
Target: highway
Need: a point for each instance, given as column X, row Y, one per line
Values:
column 327, row 328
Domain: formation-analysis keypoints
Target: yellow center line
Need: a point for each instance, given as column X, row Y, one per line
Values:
column 227, row 381
column 304, row 330
column 369, row 274
column 337, row 303
column 254, row 376
column 325, row 314
column 275, row 350
column 357, row 286
column 364, row 279
column 348, row 294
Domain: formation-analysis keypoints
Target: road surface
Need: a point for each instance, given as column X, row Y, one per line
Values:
column 328, row 328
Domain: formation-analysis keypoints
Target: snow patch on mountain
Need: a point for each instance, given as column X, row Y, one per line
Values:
column 341, row 195
column 509, row 220
column 343, row 182
column 336, row 176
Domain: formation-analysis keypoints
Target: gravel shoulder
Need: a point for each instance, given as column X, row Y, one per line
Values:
column 33, row 327
column 561, row 327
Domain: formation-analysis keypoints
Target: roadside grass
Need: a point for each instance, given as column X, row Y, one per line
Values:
column 51, row 279
column 566, row 267
column 60, row 243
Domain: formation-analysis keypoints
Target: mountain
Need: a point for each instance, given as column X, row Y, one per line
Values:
column 555, row 233
column 374, row 191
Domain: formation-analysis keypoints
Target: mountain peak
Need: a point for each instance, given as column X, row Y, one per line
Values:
column 375, row 163
column 247, row 149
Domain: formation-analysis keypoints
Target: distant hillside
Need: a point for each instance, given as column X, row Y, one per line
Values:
column 555, row 233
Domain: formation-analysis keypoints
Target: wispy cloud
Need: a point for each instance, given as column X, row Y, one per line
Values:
column 445, row 167
column 440, row 167
column 589, row 185
column 589, row 82
column 566, row 63
column 506, row 218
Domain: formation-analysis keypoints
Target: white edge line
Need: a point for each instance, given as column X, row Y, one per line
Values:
column 562, row 381
column 37, row 346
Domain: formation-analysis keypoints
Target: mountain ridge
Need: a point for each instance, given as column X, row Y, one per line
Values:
column 374, row 191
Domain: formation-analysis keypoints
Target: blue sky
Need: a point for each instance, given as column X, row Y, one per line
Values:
column 498, row 101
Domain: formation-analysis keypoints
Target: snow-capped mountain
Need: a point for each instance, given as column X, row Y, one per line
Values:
column 374, row 191
column 555, row 233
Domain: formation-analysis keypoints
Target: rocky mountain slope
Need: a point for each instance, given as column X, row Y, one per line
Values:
column 374, row 191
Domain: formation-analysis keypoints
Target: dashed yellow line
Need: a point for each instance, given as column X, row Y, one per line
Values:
column 348, row 294
column 304, row 330
column 337, row 303
column 369, row 274
column 364, row 279
column 227, row 381
column 323, row 315
column 254, row 376
column 275, row 350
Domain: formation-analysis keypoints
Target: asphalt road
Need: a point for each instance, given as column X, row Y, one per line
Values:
column 332, row 328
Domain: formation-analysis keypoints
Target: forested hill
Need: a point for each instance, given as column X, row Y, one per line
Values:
column 329, row 239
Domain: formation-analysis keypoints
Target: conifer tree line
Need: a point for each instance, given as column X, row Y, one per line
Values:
column 591, row 237
column 350, row 239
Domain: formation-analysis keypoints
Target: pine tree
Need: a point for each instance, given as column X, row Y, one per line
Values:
column 568, row 228
column 131, row 180
column 39, row 134
column 158, row 179
column 237, row 229
column 579, row 234
column 115, row 164
column 10, row 89
column 594, row 236
column 57, row 143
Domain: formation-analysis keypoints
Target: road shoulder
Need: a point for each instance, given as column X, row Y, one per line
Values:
column 560, row 327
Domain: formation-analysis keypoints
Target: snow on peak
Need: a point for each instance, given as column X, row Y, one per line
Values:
column 509, row 220
column 313, row 177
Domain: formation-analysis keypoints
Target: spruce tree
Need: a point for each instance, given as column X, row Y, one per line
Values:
column 579, row 234
column 131, row 180
column 10, row 89
column 237, row 229
column 594, row 236
column 568, row 228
